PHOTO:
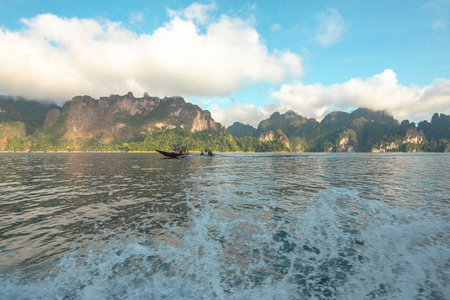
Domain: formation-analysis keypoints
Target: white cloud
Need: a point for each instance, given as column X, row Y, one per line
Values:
column 196, row 12
column 331, row 27
column 244, row 113
column 58, row 58
column 292, row 62
column 136, row 17
column 379, row 92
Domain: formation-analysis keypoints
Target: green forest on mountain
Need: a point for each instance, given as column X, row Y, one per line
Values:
column 165, row 139
column 363, row 130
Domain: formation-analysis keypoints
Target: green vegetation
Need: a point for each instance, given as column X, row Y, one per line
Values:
column 31, row 113
column 176, row 139
column 32, row 126
column 241, row 130
column 163, row 139
column 12, row 134
column 362, row 130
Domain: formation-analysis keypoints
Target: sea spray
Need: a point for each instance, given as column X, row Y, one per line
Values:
column 341, row 247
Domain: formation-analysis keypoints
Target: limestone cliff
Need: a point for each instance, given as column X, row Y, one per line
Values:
column 85, row 123
column 269, row 136
column 120, row 117
column 347, row 141
column 408, row 142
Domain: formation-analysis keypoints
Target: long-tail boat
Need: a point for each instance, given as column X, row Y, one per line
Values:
column 173, row 154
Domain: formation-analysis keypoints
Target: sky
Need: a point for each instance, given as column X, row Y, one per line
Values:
column 241, row 60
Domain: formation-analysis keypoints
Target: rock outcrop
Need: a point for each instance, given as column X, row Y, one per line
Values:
column 406, row 143
column 91, row 124
column 347, row 141
column 291, row 124
column 269, row 136
column 121, row 117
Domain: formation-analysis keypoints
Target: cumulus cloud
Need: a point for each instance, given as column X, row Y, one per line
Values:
column 244, row 113
column 379, row 92
column 331, row 27
column 58, row 58
column 292, row 62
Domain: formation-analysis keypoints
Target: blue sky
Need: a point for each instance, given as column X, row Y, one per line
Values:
column 240, row 60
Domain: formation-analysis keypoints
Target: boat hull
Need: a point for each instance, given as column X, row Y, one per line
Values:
column 172, row 154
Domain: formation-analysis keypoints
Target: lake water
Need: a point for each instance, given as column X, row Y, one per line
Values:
column 233, row 226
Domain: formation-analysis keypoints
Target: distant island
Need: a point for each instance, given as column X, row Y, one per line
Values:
column 126, row 123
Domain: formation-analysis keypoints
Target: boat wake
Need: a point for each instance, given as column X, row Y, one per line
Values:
column 337, row 245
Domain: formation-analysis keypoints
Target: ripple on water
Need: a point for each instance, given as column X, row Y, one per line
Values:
column 234, row 227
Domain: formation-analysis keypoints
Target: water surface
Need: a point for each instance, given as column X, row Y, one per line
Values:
column 233, row 226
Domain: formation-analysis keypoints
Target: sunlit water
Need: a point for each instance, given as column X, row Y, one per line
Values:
column 233, row 226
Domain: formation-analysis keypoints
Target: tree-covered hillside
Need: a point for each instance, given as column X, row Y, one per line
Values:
column 241, row 130
column 361, row 130
column 126, row 123
column 31, row 113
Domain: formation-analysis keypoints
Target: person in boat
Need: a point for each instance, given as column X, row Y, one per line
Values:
column 210, row 153
column 202, row 153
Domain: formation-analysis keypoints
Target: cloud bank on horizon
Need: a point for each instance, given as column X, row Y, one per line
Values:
column 58, row 58
column 195, row 55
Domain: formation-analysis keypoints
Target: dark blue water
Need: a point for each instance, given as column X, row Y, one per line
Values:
column 233, row 226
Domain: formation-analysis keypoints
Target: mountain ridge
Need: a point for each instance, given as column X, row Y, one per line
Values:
column 108, row 122
column 362, row 130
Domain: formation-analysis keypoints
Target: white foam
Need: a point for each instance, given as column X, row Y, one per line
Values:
column 341, row 246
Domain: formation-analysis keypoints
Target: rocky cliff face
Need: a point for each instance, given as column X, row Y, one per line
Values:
column 88, row 123
column 344, row 145
column 291, row 124
column 347, row 141
column 412, row 137
column 120, row 117
column 269, row 136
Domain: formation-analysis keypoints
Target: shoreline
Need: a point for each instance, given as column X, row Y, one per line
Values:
column 198, row 152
